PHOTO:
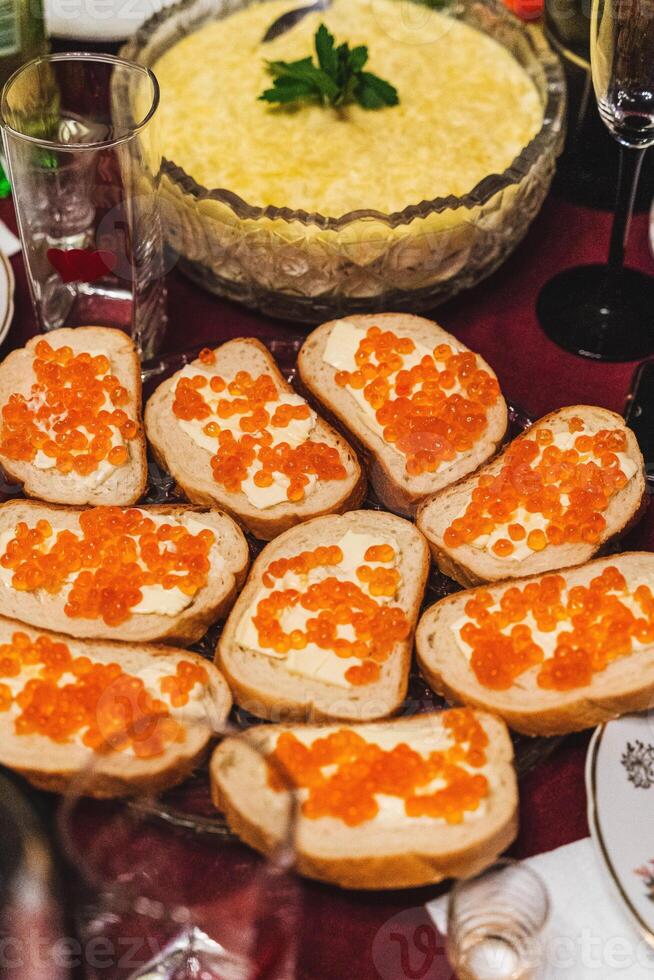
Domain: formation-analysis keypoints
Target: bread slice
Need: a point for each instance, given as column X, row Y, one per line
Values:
column 125, row 484
column 396, row 852
column 395, row 488
column 267, row 688
column 626, row 684
column 190, row 464
column 53, row 765
column 210, row 603
column 470, row 565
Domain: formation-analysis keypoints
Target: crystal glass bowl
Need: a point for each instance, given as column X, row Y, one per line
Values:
column 311, row 267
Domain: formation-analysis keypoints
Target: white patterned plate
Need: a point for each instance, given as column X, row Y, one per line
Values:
column 620, row 787
column 7, row 285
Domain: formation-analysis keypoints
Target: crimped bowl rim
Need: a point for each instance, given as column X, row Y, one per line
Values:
column 545, row 141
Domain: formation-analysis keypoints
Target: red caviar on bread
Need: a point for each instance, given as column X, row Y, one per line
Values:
column 387, row 804
column 552, row 653
column 425, row 409
column 233, row 433
column 70, row 417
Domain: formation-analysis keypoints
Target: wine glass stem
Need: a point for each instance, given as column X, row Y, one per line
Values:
column 631, row 160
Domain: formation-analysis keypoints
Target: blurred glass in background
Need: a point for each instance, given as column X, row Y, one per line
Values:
column 587, row 172
column 32, row 942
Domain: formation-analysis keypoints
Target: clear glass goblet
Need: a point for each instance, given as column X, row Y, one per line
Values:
column 165, row 891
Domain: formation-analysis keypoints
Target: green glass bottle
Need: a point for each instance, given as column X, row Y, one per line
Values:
column 22, row 37
column 22, row 34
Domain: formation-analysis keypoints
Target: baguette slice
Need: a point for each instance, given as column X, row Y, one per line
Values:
column 209, row 604
column 125, row 484
column 190, row 464
column 471, row 566
column 265, row 687
column 402, row 852
column 395, row 488
column 52, row 765
column 627, row 684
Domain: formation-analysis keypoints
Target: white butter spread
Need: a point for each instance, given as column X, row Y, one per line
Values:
column 521, row 550
column 170, row 602
column 156, row 600
column 159, row 601
column 313, row 662
column 294, row 434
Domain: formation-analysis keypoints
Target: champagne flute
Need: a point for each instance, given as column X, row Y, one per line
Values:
column 606, row 312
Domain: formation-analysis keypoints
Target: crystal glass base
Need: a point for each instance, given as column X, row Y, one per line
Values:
column 194, row 956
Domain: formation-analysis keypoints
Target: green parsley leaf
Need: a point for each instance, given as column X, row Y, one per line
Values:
column 288, row 90
column 375, row 93
column 337, row 79
column 358, row 57
column 326, row 51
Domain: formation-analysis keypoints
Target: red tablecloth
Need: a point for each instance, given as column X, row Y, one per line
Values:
column 359, row 935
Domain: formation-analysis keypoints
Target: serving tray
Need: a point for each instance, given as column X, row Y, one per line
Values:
column 163, row 865
column 189, row 806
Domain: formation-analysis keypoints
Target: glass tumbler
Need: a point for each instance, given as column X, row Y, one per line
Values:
column 79, row 133
column 495, row 923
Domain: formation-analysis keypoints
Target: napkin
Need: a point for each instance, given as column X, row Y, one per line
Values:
column 9, row 244
column 588, row 935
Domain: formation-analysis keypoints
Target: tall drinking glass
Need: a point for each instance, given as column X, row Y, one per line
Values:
column 607, row 311
column 80, row 140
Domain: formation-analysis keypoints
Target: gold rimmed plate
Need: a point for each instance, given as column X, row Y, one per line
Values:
column 620, row 788
column 7, row 285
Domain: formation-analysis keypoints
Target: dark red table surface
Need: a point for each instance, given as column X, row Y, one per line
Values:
column 359, row 935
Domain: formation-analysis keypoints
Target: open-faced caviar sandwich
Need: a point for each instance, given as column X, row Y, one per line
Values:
column 137, row 573
column 232, row 432
column 550, row 500
column 324, row 626
column 551, row 654
column 382, row 805
column 425, row 409
column 129, row 718
column 71, row 429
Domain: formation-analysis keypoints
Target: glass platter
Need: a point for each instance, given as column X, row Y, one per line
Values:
column 189, row 806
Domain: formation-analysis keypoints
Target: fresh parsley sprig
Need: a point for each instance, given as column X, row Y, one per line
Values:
column 337, row 80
